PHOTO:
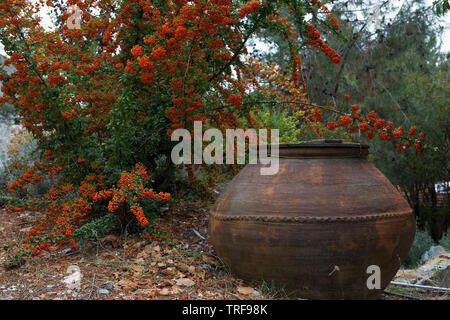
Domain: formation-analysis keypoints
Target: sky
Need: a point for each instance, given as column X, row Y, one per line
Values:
column 446, row 35
column 445, row 23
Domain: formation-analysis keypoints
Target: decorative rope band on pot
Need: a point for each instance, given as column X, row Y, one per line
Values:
column 311, row 219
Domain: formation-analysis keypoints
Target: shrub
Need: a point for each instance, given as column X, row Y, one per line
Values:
column 18, row 154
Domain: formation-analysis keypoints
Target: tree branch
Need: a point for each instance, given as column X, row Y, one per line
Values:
column 237, row 52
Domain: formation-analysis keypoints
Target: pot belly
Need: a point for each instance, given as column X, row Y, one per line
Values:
column 313, row 228
column 315, row 259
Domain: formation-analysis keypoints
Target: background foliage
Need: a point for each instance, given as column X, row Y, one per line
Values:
column 100, row 100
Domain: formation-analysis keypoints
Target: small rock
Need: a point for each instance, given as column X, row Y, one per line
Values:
column 245, row 290
column 185, row 282
column 163, row 292
column 431, row 253
column 109, row 285
column 64, row 251
column 206, row 266
column 103, row 291
column 193, row 232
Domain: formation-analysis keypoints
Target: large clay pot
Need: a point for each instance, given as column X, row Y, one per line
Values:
column 316, row 226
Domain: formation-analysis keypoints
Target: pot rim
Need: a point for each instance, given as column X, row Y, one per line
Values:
column 324, row 143
column 324, row 149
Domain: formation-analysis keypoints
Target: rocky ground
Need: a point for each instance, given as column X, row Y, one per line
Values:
column 429, row 279
column 119, row 267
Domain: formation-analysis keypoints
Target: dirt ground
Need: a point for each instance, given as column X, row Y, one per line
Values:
column 119, row 267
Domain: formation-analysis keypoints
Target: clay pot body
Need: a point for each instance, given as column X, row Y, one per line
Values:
column 316, row 226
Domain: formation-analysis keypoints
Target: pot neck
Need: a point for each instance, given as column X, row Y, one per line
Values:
column 324, row 149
